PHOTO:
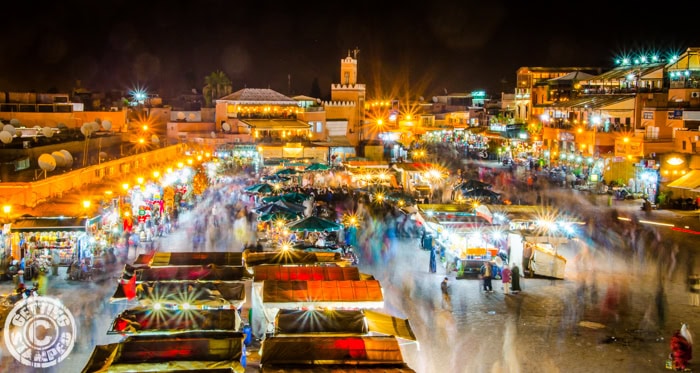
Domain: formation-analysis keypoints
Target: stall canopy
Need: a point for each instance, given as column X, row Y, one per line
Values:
column 342, row 322
column 290, row 257
column 322, row 294
column 287, row 273
column 222, row 295
column 160, row 259
column 192, row 273
column 375, row 353
column 143, row 320
column 60, row 223
column 186, row 352
column 691, row 180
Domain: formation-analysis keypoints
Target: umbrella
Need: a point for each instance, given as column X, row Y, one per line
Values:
column 293, row 197
column 314, row 224
column 317, row 167
column 284, row 215
column 275, row 178
column 472, row 184
column 286, row 171
column 262, row 188
column 290, row 205
column 272, row 208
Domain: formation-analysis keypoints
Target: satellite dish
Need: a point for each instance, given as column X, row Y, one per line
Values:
column 180, row 115
column 47, row 131
column 14, row 122
column 226, row 127
column 95, row 127
column 213, row 134
column 107, row 124
column 98, row 120
column 47, row 162
column 435, row 99
column 5, row 137
column 103, row 155
column 62, row 126
column 59, row 158
column 191, row 117
column 38, row 128
column 155, row 139
column 10, row 128
column 68, row 157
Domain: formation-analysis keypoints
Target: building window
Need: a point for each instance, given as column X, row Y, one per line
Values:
column 683, row 145
column 347, row 78
column 648, row 115
column 319, row 127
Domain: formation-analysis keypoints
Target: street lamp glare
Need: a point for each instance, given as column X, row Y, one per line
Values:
column 6, row 209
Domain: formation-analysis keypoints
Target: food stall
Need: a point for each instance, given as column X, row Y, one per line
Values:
column 536, row 257
column 72, row 237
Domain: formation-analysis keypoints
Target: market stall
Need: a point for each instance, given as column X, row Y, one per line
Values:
column 71, row 238
column 192, row 273
column 360, row 322
column 186, row 295
column 160, row 259
column 144, row 321
column 221, row 352
column 332, row 354
column 537, row 258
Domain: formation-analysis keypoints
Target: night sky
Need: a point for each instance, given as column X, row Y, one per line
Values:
column 425, row 49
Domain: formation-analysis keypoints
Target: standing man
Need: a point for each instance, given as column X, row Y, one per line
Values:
column 433, row 260
column 445, row 289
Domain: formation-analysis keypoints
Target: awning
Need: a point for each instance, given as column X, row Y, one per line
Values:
column 192, row 273
column 43, row 224
column 197, row 295
column 386, row 324
column 287, row 273
column 320, row 321
column 323, row 351
column 691, row 180
column 218, row 353
column 342, row 321
column 195, row 258
column 144, row 321
column 322, row 294
column 291, row 257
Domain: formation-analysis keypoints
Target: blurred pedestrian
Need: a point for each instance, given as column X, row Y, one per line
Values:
column 694, row 289
column 681, row 351
column 506, row 278
column 433, row 260
column 486, row 274
column 445, row 289
column 515, row 279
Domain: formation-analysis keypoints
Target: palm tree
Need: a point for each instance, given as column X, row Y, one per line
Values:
column 216, row 85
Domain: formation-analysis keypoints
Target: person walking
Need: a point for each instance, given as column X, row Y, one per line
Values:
column 506, row 278
column 515, row 279
column 486, row 275
column 445, row 289
column 433, row 260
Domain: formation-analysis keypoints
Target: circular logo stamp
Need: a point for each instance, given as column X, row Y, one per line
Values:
column 40, row 331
